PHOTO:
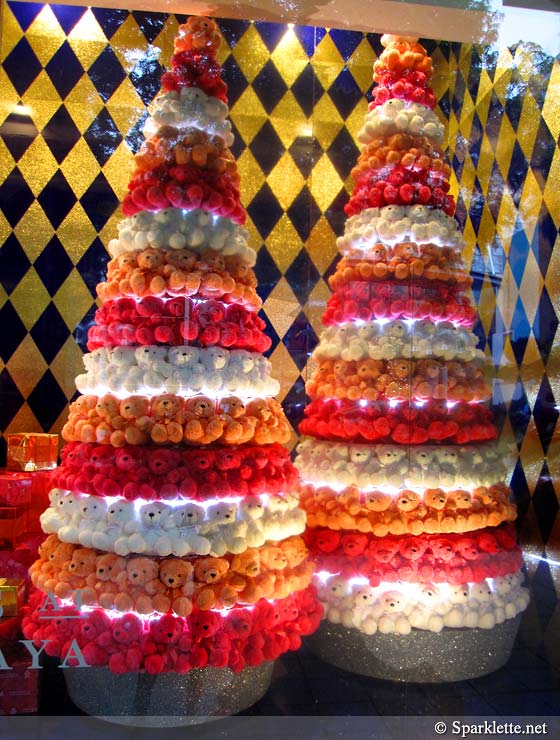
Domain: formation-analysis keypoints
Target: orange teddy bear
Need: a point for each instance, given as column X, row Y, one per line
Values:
column 136, row 426
column 176, row 576
column 215, row 592
column 202, row 424
column 238, row 428
column 169, row 418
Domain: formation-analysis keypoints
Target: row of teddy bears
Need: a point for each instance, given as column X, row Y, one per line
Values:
column 403, row 261
column 404, row 423
column 147, row 585
column 180, row 272
column 128, row 643
column 381, row 513
column 399, row 379
column 154, row 321
column 162, row 473
column 170, row 419
column 349, row 303
column 431, row 607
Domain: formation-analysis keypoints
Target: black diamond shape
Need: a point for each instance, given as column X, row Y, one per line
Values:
column 265, row 211
column 61, row 134
column 494, row 120
column 498, row 408
column 460, row 211
column 515, row 96
column 150, row 24
column 309, row 37
column 517, row 173
column 475, row 139
column 520, row 331
column 99, row 201
column 307, row 90
column 445, row 107
column 545, row 325
column 22, row 66
column 110, row 20
column 521, row 493
column 304, row 213
column 53, row 265
column 543, row 239
column 478, row 331
column 146, row 76
column 81, row 331
column 302, row 275
column 458, row 94
column 103, row 137
column 375, row 43
column 346, row 41
column 15, row 197
column 135, row 136
column 335, row 215
column 306, row 152
column 238, row 146
column 267, row 273
column 25, row 13
column 267, row 148
column 14, row 263
column 269, row 86
column 67, row 16
column 11, row 399
column 545, row 413
column 476, row 287
column 475, row 68
column 50, row 332
column 57, row 199
column 497, row 260
column 477, row 205
column 543, row 149
column 545, row 502
column 496, row 337
column 270, row 332
column 343, row 153
column 47, row 401
column 519, row 412
column 232, row 30
column 64, row 69
column 300, row 340
column 106, row 73
column 331, row 269
column 270, row 33
column 236, row 80
column 294, row 403
column 92, row 266
column 18, row 133
column 13, row 331
column 518, row 251
column 345, row 93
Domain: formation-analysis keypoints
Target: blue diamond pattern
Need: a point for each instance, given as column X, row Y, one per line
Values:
column 545, row 324
column 519, row 412
column 67, row 16
column 106, row 73
column 14, row 263
column 151, row 24
column 517, row 173
column 520, row 331
column 265, row 211
column 545, row 414
column 518, row 251
column 545, row 502
column 269, row 86
column 61, row 134
column 267, row 147
column 146, row 76
column 236, row 81
column 93, row 265
column 57, row 199
column 304, row 213
column 25, row 13
column 50, row 332
column 18, row 133
column 302, row 275
column 22, row 66
column 309, row 37
column 307, row 89
column 300, row 340
column 521, row 493
column 270, row 33
column 294, row 402
column 267, row 273
column 99, row 201
column 64, row 69
column 543, row 240
column 103, row 137
column 13, row 331
column 110, row 20
column 53, row 265
column 343, row 153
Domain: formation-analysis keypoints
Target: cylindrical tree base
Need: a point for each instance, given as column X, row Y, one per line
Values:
column 166, row 699
column 419, row 657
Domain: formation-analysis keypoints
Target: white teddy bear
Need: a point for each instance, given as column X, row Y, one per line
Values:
column 392, row 611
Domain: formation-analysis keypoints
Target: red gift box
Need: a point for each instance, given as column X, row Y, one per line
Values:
column 31, row 451
column 19, row 687
column 15, row 488
column 12, row 525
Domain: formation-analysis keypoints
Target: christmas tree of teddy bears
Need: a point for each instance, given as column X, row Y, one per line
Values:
column 408, row 518
column 173, row 526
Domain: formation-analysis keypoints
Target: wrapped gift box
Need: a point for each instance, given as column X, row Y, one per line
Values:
column 31, row 451
column 19, row 687
column 12, row 525
column 15, row 488
column 13, row 592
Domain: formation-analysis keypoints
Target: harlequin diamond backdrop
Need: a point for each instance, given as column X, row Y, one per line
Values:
column 75, row 83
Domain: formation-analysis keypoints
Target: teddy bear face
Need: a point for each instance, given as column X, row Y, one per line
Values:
column 378, row 501
column 120, row 513
column 182, row 259
column 337, row 587
column 435, row 499
column 215, row 357
column 399, row 369
column 447, row 457
column 83, row 562
column 467, row 549
column 360, row 455
column 166, row 406
column 188, row 515
column 252, row 508
column 127, row 629
column 393, row 602
column 221, row 513
column 459, row 594
column 383, row 551
column 108, row 566
column 377, row 253
column 422, row 457
column 124, row 262
column 184, row 356
column 327, row 540
column 404, row 251
column 442, row 549
column 174, row 572
column 94, row 508
column 107, row 407
column 408, row 501
column 150, row 259
column 228, row 460
column 481, row 592
column 274, row 558
column 354, row 544
column 162, row 462
column 166, row 630
column 210, row 312
column 247, row 564
column 141, row 570
column 155, row 514
column 67, row 504
column 125, row 460
column 396, row 330
column 365, row 596
column 389, row 455
column 412, row 548
column 232, row 406
column 205, row 623
column 210, row 570
column 460, row 500
column 200, row 407
column 134, row 407
column 429, row 595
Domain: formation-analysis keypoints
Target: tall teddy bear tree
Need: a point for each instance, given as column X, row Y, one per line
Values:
column 173, row 517
column 408, row 517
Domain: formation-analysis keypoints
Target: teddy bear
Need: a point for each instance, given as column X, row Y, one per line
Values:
column 168, row 419
column 238, row 425
column 134, row 411
column 138, row 585
column 202, row 424
column 392, row 612
column 213, row 589
column 108, row 568
column 59, row 559
column 177, row 577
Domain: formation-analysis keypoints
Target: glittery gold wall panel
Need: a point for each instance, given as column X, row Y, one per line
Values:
column 74, row 87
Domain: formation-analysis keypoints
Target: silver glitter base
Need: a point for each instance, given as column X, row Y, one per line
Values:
column 419, row 657
column 166, row 699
